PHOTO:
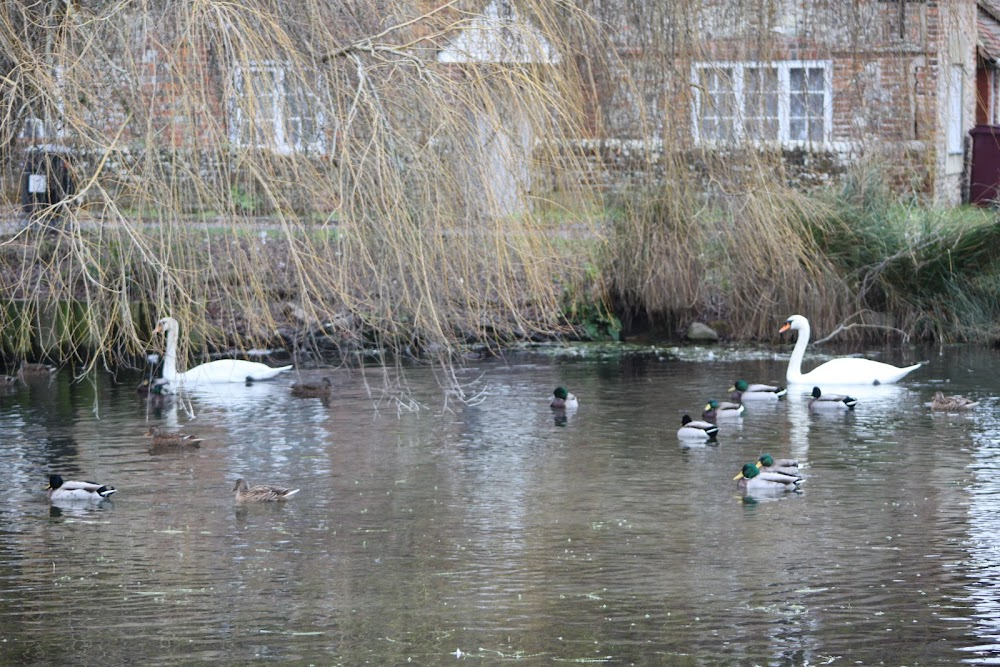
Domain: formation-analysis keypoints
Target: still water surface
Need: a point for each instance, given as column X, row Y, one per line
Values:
column 431, row 532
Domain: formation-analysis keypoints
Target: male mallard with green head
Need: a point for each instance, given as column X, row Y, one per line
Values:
column 154, row 387
column 561, row 399
column 751, row 479
column 716, row 410
column 743, row 390
column 767, row 463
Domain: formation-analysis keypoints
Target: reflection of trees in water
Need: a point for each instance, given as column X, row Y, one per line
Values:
column 62, row 456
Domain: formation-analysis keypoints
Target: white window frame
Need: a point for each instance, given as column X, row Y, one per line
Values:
column 784, row 69
column 954, row 135
column 994, row 79
column 282, row 139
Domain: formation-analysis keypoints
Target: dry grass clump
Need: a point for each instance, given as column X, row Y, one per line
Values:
column 738, row 254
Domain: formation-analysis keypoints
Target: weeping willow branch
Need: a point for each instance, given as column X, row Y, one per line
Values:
column 240, row 168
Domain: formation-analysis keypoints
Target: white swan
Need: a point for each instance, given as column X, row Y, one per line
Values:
column 846, row 370
column 214, row 372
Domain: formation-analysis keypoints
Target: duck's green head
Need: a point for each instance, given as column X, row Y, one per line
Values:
column 55, row 481
column 816, row 392
column 765, row 461
column 561, row 393
column 712, row 405
column 740, row 385
column 749, row 471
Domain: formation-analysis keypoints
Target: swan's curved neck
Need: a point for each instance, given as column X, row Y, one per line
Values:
column 170, row 357
column 794, row 373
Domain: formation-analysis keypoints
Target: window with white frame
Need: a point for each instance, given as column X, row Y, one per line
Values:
column 786, row 101
column 271, row 111
column 956, row 86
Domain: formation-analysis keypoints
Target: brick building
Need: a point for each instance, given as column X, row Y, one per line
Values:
column 822, row 83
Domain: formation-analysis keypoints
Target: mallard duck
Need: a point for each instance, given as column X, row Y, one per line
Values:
column 213, row 372
column 743, row 390
column 844, row 370
column 752, row 479
column 313, row 389
column 821, row 401
column 260, row 492
column 165, row 439
column 60, row 489
column 155, row 387
column 767, row 463
column 33, row 372
column 562, row 399
column 715, row 410
column 692, row 429
column 954, row 403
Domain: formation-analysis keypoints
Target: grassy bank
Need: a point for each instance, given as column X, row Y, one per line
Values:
column 853, row 255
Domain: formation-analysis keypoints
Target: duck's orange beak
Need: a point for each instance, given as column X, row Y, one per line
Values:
column 785, row 327
column 739, row 475
column 158, row 329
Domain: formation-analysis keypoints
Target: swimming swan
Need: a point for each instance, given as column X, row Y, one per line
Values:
column 221, row 370
column 837, row 371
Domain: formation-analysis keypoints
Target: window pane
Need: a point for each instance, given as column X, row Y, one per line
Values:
column 718, row 104
column 807, row 103
column 304, row 121
column 815, row 79
column 260, row 100
column 796, row 79
column 761, row 102
column 816, row 130
column 797, row 106
column 815, row 105
column 796, row 129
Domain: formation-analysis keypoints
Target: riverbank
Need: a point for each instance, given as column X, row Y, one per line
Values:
column 858, row 264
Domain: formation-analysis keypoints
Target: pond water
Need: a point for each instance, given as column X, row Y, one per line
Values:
column 428, row 531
